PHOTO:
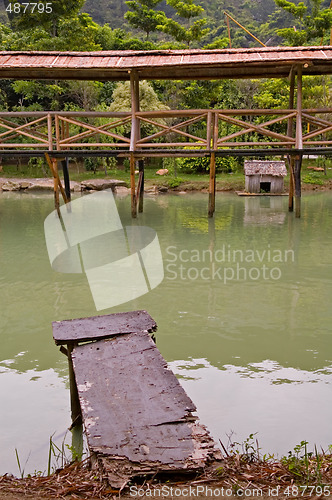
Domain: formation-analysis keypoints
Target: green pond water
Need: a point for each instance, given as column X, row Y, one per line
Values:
column 244, row 319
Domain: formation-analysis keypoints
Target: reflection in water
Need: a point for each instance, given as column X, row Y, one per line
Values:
column 280, row 404
column 253, row 349
column 264, row 210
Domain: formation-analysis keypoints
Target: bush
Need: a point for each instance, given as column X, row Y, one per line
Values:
column 174, row 183
column 202, row 164
column 313, row 178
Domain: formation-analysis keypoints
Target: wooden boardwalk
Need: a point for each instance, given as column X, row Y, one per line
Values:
column 137, row 417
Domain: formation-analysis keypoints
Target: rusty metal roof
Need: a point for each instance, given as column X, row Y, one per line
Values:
column 263, row 62
column 265, row 167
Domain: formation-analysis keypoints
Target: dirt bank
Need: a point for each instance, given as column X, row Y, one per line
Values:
column 235, row 476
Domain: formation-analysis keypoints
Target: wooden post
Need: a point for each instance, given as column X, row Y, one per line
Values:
column 291, row 184
column 76, row 414
column 132, row 186
column 134, row 137
column 53, row 164
column 299, row 144
column 56, row 194
column 212, row 185
column 297, row 182
column 66, row 179
column 290, row 131
column 141, row 186
column 49, row 132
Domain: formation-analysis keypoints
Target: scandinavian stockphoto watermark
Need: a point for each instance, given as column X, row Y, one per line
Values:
column 226, row 264
column 87, row 236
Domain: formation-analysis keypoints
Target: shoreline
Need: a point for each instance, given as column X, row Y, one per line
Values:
column 46, row 184
column 236, row 474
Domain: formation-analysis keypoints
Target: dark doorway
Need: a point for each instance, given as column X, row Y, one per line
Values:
column 265, row 187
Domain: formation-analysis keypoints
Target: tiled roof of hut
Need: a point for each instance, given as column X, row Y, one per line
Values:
column 266, row 167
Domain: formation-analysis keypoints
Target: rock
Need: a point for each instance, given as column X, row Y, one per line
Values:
column 74, row 186
column 41, row 185
column 11, row 186
column 122, row 191
column 151, row 190
column 25, row 184
column 100, row 184
column 162, row 171
column 162, row 189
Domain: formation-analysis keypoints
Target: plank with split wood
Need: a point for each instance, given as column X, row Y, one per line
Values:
column 99, row 327
column 137, row 417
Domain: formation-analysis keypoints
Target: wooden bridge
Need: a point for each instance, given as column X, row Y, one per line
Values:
column 198, row 132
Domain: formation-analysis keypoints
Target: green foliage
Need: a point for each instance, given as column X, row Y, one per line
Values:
column 91, row 164
column 310, row 22
column 200, row 165
column 61, row 10
column 174, row 182
column 149, row 101
column 186, row 8
column 193, row 31
column 298, row 460
column 313, row 178
column 142, row 16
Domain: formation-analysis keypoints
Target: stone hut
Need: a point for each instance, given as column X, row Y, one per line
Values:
column 264, row 176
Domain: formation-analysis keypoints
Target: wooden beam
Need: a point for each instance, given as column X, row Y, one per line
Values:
column 134, row 89
column 53, row 164
column 297, row 182
column 291, row 162
column 76, row 413
column 140, row 191
column 132, row 186
column 290, row 133
column 212, row 185
column 65, row 169
column 299, row 144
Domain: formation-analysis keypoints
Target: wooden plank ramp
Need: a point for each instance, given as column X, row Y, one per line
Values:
column 137, row 417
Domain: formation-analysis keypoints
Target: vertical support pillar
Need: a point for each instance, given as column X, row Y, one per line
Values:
column 132, row 186
column 290, row 134
column 56, row 185
column 76, row 414
column 134, row 137
column 299, row 144
column 141, row 186
column 212, row 185
column 66, row 179
column 297, row 182
column 291, row 184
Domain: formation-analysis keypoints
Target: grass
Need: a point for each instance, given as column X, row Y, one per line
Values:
column 242, row 468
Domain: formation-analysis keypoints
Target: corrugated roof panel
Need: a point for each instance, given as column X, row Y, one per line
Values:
column 227, row 63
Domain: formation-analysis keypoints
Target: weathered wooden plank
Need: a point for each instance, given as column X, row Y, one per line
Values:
column 138, row 418
column 99, row 327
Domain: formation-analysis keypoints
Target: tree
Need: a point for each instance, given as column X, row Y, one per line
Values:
column 191, row 31
column 60, row 9
column 310, row 23
column 149, row 101
column 142, row 15
column 78, row 33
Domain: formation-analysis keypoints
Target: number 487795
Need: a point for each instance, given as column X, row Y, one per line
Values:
column 30, row 7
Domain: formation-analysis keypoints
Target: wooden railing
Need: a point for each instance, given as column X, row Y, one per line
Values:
column 199, row 130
